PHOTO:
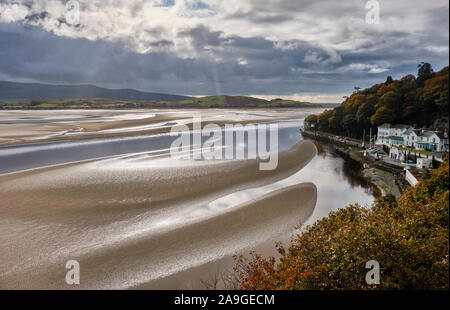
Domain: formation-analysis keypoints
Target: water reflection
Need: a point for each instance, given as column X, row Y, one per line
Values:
column 22, row 157
column 338, row 180
column 351, row 169
column 185, row 246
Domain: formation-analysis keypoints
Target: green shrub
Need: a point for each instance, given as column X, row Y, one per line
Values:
column 408, row 237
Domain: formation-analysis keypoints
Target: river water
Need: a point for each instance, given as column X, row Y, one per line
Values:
column 337, row 182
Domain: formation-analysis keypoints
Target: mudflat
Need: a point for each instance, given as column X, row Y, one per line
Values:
column 26, row 127
column 131, row 220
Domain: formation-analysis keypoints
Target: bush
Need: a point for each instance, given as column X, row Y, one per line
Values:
column 408, row 237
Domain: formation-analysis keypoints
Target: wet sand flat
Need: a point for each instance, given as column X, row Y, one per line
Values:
column 24, row 127
column 127, row 218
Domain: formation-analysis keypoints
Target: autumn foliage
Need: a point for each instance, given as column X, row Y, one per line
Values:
column 421, row 101
column 407, row 236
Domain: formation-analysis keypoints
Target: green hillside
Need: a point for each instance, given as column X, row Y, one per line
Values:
column 12, row 91
column 242, row 102
column 197, row 103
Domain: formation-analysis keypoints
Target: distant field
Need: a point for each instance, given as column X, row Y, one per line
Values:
column 197, row 103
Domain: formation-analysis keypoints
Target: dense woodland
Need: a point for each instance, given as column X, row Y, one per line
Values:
column 407, row 236
column 420, row 101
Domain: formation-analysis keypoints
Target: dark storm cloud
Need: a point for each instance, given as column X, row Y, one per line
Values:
column 31, row 54
column 33, row 18
column 286, row 50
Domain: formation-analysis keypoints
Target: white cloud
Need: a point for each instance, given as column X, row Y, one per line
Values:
column 12, row 12
column 242, row 61
column 438, row 49
column 335, row 26
column 307, row 97
column 370, row 68
column 312, row 57
column 246, row 46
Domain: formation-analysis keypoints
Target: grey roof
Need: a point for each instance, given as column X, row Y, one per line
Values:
column 425, row 133
column 385, row 125
column 410, row 131
column 429, row 133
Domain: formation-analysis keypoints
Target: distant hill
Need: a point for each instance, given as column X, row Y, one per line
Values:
column 243, row 102
column 11, row 91
column 216, row 102
column 42, row 96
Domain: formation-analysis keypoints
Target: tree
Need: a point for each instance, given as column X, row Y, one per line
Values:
column 402, row 101
column 311, row 121
column 349, row 123
column 424, row 73
column 334, row 122
column 353, row 103
column 382, row 115
column 322, row 120
column 409, row 237
column 392, row 101
column 364, row 113
column 409, row 79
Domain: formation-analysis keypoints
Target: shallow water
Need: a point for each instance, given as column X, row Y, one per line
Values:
column 108, row 208
column 22, row 157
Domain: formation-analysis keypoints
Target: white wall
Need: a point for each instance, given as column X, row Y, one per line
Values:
column 410, row 178
column 424, row 163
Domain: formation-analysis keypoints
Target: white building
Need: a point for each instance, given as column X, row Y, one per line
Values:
column 424, row 163
column 391, row 135
column 396, row 153
column 406, row 136
column 433, row 141
column 411, row 137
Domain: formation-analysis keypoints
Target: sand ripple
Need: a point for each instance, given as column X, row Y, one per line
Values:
column 128, row 220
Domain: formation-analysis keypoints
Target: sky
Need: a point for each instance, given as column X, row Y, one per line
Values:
column 307, row 50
